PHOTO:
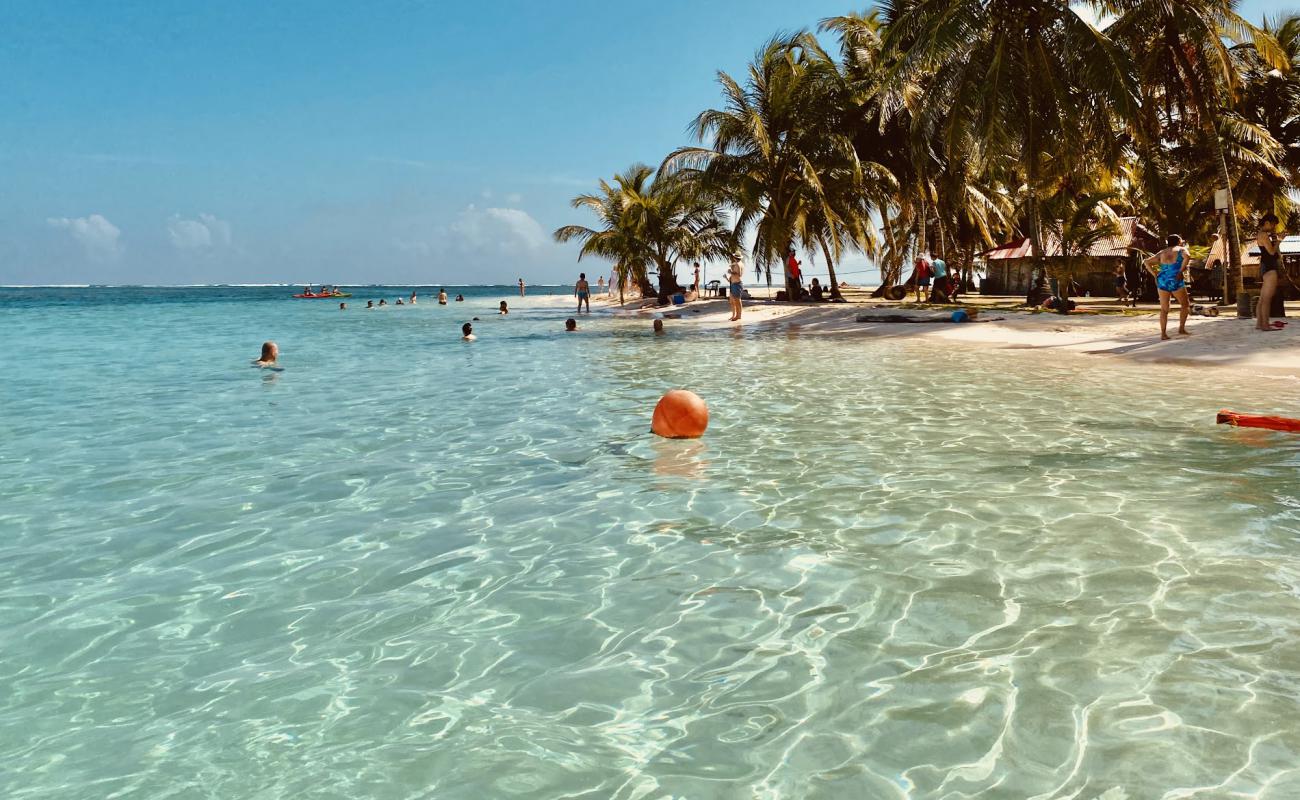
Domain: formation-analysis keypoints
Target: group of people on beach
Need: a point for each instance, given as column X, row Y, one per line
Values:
column 1170, row 263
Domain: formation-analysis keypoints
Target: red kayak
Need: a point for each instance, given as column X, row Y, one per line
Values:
column 1236, row 420
column 320, row 296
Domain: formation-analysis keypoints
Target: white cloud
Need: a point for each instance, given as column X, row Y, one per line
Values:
column 96, row 234
column 198, row 234
column 514, row 198
column 497, row 230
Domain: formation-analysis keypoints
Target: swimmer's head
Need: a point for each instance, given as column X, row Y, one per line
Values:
column 1173, row 240
column 342, row 306
column 466, row 329
column 659, row 326
column 270, row 352
column 370, row 304
column 503, row 306
column 383, row 302
column 570, row 324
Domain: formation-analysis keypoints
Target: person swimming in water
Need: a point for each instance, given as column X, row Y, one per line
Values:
column 399, row 301
column 504, row 310
column 270, row 352
column 659, row 327
column 467, row 332
column 570, row 325
column 460, row 298
column 370, row 304
column 343, row 306
column 412, row 300
column 383, row 302
column 442, row 297
column 1170, row 282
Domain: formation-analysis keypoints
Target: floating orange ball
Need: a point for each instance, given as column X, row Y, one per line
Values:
column 680, row 415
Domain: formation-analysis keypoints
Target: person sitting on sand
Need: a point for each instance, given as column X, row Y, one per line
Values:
column 815, row 291
column 583, row 290
column 442, row 297
column 270, row 352
column 504, row 310
column 659, row 327
column 1171, row 283
column 467, row 332
column 570, row 325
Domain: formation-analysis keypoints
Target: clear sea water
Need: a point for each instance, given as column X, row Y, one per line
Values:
column 408, row 567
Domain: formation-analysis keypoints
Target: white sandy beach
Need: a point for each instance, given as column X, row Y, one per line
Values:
column 1223, row 342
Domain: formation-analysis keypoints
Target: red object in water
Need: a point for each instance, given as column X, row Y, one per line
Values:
column 1236, row 420
column 680, row 415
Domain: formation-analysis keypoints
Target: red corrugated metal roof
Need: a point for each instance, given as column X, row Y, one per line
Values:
column 1015, row 249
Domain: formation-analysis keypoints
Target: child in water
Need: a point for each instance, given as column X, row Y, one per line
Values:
column 270, row 352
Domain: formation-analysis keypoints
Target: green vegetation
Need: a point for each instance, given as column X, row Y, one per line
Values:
column 948, row 126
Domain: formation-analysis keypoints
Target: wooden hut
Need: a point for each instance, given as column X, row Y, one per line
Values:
column 1008, row 269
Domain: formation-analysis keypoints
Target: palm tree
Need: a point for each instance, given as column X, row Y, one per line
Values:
column 1270, row 101
column 1187, row 68
column 779, row 156
column 1020, row 81
column 1078, row 223
column 650, row 220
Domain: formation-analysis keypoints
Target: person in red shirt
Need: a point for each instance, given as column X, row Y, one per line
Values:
column 794, row 278
column 921, row 271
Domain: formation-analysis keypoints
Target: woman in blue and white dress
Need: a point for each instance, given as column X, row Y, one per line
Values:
column 1171, row 282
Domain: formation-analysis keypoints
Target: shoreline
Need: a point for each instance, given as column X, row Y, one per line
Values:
column 1223, row 343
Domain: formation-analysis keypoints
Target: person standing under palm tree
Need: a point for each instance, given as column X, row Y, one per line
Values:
column 735, row 274
column 1270, row 260
column 793, row 277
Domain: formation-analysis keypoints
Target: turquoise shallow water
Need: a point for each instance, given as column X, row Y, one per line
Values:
column 406, row 567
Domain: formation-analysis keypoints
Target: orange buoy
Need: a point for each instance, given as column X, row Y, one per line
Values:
column 680, row 415
column 1236, row 420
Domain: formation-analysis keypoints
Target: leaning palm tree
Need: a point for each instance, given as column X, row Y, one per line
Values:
column 650, row 220
column 778, row 155
column 1029, row 81
column 1187, row 68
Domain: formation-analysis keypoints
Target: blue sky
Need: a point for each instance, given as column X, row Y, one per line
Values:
column 396, row 141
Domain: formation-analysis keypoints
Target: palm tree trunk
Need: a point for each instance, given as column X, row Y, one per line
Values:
column 830, row 269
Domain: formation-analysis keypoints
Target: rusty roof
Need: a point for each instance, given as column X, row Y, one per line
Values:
column 1131, row 233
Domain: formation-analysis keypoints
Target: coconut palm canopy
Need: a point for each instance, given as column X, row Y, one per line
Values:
column 945, row 126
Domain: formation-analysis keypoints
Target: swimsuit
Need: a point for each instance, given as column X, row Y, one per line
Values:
column 1170, row 278
column 1267, row 261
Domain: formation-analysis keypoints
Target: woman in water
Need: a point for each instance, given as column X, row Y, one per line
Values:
column 1269, row 261
column 412, row 298
column 270, row 352
column 1170, row 282
column 442, row 297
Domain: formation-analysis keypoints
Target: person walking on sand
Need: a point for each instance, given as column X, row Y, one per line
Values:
column 1270, row 260
column 521, row 287
column 1171, row 283
column 600, row 284
column 583, row 290
column 735, row 273
column 1121, row 284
